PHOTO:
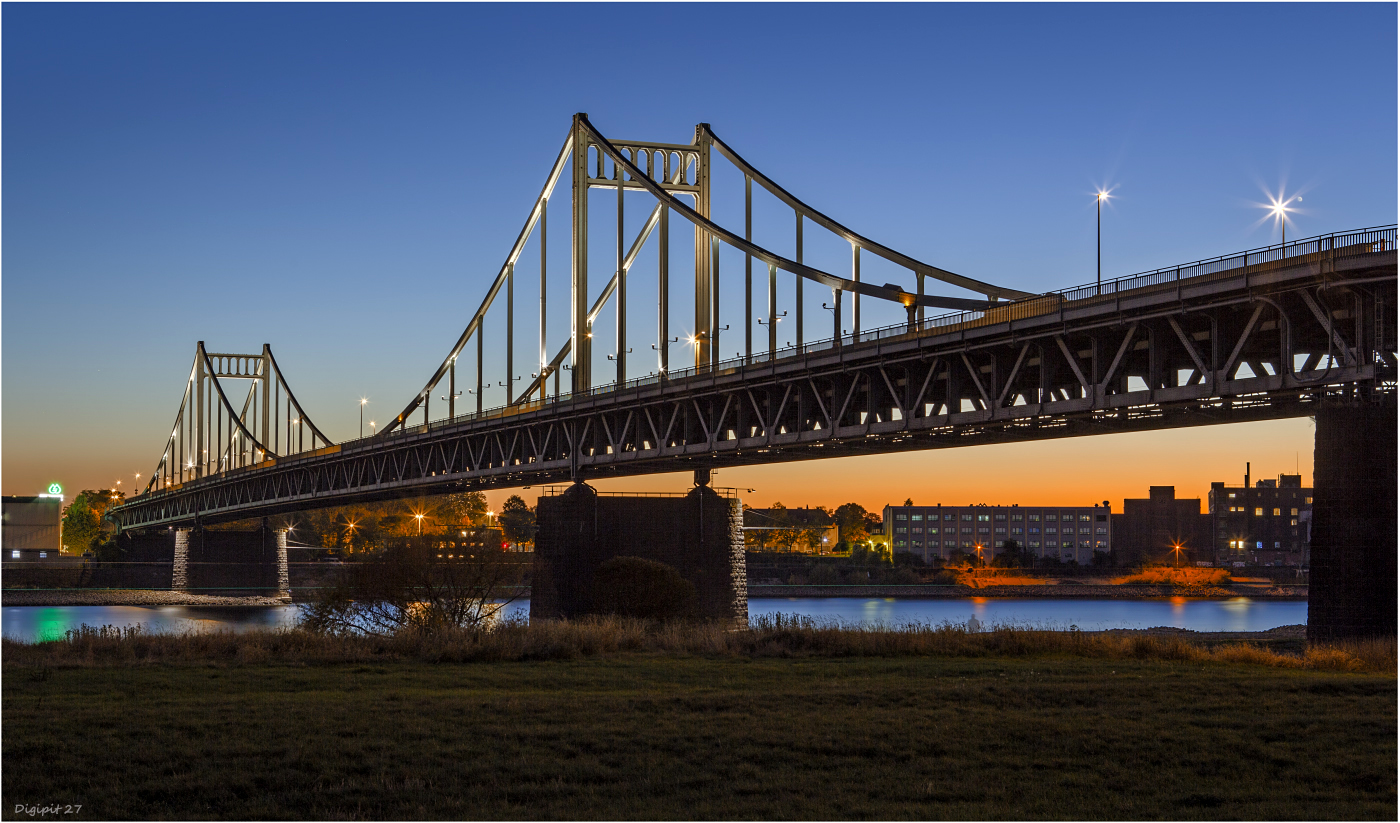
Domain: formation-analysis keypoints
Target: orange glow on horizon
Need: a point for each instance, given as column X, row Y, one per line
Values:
column 1077, row 471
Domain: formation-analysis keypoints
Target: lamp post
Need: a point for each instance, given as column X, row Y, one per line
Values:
column 1280, row 211
column 419, row 518
column 1098, row 278
column 363, row 401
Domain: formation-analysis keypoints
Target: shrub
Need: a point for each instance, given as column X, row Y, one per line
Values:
column 640, row 588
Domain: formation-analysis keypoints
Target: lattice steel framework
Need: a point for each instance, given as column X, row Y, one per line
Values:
column 1264, row 334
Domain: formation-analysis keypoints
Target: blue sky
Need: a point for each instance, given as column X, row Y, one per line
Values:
column 343, row 181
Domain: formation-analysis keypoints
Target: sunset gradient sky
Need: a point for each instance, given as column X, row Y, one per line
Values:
column 343, row 181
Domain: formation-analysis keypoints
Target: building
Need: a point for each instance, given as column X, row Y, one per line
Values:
column 811, row 531
column 31, row 527
column 1066, row 533
column 1162, row 529
column 1267, row 524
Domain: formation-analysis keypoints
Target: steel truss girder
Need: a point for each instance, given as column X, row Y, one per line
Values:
column 1156, row 358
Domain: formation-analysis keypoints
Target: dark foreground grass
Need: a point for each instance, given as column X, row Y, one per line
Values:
column 673, row 735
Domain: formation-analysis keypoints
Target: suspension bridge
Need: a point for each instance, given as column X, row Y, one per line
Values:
column 1267, row 333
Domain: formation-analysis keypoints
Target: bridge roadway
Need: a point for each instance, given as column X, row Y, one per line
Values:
column 1266, row 334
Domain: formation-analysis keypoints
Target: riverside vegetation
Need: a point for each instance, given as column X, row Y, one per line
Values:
column 623, row 719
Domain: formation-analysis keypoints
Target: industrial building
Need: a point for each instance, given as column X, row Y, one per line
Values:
column 1267, row 524
column 1066, row 533
column 1162, row 529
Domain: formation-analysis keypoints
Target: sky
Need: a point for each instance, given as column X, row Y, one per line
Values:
column 343, row 182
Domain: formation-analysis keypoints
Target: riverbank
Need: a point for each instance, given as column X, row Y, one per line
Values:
column 126, row 597
column 156, row 597
column 804, row 725
column 1077, row 591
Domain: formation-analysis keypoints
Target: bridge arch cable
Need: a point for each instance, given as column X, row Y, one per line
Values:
column 211, row 436
column 626, row 173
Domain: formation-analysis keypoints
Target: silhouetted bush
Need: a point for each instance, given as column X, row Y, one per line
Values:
column 641, row 588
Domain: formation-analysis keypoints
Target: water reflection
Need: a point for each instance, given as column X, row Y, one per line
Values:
column 1235, row 615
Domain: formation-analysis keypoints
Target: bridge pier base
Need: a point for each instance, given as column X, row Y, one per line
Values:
column 232, row 563
column 700, row 535
column 180, row 569
column 1352, row 588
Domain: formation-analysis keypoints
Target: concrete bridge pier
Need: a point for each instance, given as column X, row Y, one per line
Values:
column 700, row 534
column 1352, row 591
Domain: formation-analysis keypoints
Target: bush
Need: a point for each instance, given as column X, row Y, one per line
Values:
column 823, row 575
column 643, row 589
column 409, row 588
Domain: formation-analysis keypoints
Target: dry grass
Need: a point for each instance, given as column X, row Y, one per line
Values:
column 1167, row 576
column 980, row 580
column 772, row 637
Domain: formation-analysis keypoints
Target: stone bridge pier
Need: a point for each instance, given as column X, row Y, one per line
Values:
column 231, row 563
column 1352, row 589
column 700, row 534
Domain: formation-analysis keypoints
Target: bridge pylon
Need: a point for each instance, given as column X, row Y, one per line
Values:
column 211, row 435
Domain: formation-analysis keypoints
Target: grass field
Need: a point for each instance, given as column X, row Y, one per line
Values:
column 675, row 735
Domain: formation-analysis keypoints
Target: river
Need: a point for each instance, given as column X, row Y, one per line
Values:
column 1240, row 614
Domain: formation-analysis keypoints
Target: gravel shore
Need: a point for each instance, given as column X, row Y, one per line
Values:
column 128, row 597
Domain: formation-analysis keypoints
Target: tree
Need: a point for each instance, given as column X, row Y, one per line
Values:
column 908, row 501
column 851, row 522
column 517, row 521
column 407, row 589
column 463, row 508
column 80, row 525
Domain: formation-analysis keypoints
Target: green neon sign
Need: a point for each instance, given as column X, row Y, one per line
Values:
column 54, row 488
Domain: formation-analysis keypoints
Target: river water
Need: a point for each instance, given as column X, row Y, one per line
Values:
column 1241, row 614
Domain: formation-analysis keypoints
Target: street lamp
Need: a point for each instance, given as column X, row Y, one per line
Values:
column 363, row 401
column 371, row 428
column 1098, row 201
column 1280, row 210
column 1176, row 552
column 419, row 518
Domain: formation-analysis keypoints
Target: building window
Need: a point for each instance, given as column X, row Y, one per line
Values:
column 967, row 530
column 1001, row 530
column 1307, row 500
column 1293, row 512
column 916, row 517
column 1035, row 530
column 1276, row 544
column 897, row 530
column 1017, row 517
column 983, row 518
column 983, row 530
column 1017, row 530
column 1259, row 544
column 933, row 530
column 1084, row 518
column 1051, row 517
column 901, row 517
column 1232, row 495
column 952, row 544
column 1258, row 511
column 967, row 518
column 1101, row 530
column 1035, row 518
column 1035, row 544
column 918, row 529
column 1293, row 522
column 1083, row 529
column 15, row 554
column 899, row 542
column 967, row 544
column 1278, row 512
column 1101, row 544
column 950, row 517
column 1051, row 530
column 999, row 516
column 1067, row 544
